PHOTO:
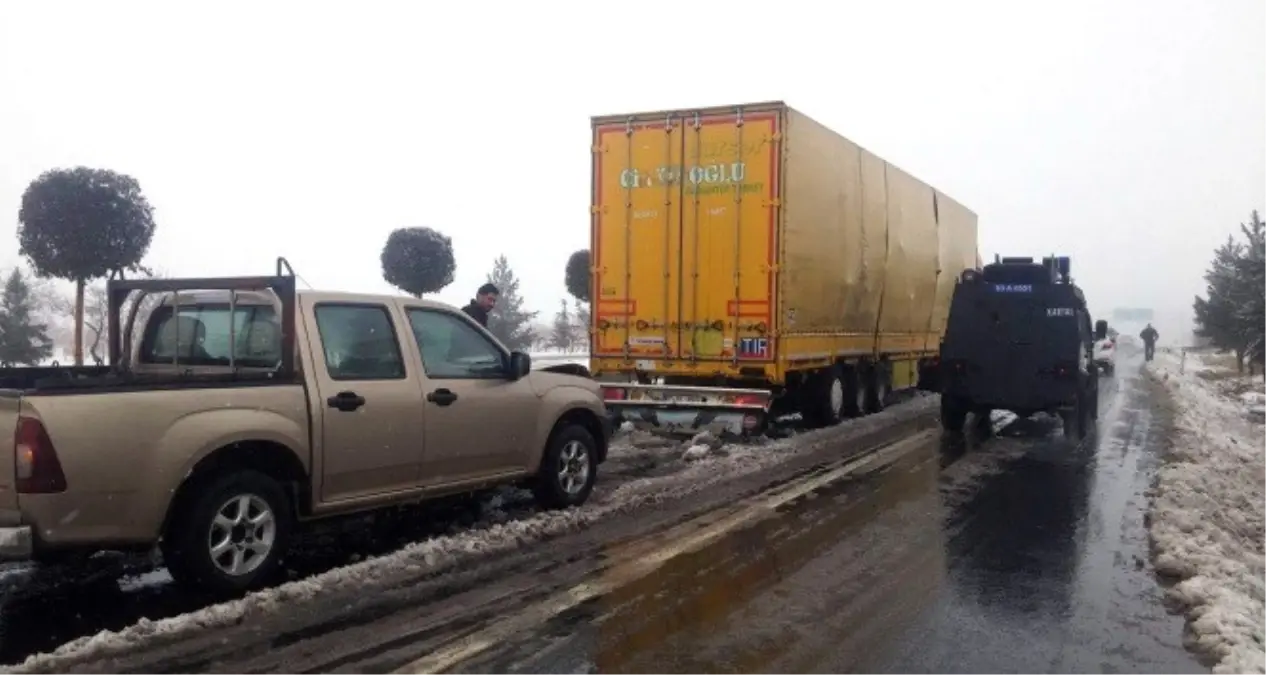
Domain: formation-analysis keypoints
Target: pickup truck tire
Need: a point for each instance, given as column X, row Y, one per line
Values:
column 568, row 468
column 237, row 520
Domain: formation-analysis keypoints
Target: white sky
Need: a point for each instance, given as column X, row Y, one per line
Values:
column 1130, row 135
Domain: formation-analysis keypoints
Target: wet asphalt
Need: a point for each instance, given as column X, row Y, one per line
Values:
column 1041, row 567
column 1010, row 550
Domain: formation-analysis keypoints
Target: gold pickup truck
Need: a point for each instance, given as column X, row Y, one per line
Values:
column 240, row 408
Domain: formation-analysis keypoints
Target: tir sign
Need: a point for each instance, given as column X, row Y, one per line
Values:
column 755, row 347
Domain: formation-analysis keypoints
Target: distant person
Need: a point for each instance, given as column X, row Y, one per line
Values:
column 1150, row 336
column 485, row 300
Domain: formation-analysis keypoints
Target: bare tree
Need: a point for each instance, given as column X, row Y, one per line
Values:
column 96, row 321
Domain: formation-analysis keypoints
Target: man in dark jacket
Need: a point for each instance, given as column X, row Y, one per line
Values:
column 483, row 303
column 1150, row 336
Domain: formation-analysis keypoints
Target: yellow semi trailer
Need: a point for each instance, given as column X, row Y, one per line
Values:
column 747, row 260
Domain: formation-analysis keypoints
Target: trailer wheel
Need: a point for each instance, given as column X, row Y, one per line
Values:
column 856, row 390
column 878, row 388
column 823, row 398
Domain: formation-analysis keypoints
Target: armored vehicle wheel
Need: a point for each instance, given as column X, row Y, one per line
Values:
column 953, row 413
column 1075, row 419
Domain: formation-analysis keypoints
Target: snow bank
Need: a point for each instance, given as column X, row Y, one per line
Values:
column 706, row 466
column 1207, row 513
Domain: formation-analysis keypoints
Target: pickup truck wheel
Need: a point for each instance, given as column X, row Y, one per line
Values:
column 568, row 469
column 231, row 535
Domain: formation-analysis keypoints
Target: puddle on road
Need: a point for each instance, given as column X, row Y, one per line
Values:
column 759, row 599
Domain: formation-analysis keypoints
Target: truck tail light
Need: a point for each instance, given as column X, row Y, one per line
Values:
column 612, row 394
column 38, row 469
column 748, row 399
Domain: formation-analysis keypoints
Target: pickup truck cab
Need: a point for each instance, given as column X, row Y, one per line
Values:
column 240, row 408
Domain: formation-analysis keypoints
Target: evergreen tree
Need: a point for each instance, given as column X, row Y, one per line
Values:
column 1233, row 315
column 22, row 340
column 562, row 336
column 1250, row 276
column 1215, row 313
column 508, row 320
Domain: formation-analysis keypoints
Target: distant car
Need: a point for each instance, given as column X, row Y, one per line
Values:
column 1106, row 355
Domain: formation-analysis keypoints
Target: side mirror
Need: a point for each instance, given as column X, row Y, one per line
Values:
column 520, row 365
column 1101, row 329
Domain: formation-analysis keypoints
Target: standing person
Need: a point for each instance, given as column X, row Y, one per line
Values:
column 1150, row 336
column 485, row 300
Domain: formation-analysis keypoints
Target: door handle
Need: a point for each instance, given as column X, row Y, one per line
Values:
column 441, row 397
column 346, row 401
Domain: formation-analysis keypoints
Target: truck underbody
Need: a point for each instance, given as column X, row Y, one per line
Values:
column 683, row 405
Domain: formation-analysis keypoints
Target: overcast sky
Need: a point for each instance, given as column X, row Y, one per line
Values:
column 1129, row 135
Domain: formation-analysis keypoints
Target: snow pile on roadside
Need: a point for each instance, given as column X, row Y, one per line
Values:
column 446, row 552
column 1208, row 514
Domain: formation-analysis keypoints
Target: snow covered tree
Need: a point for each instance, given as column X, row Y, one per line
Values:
column 418, row 260
column 508, row 320
column 23, row 341
column 562, row 333
column 81, row 224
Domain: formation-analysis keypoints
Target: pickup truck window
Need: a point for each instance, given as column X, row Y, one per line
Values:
column 359, row 342
column 453, row 349
column 199, row 335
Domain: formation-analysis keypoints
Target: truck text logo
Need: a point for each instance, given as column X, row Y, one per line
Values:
column 706, row 178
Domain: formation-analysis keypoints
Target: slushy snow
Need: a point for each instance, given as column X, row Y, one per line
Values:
column 1207, row 513
column 703, row 470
